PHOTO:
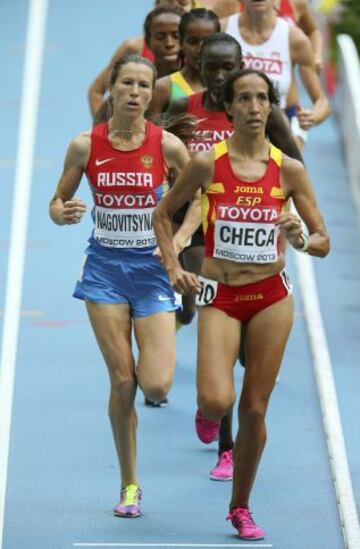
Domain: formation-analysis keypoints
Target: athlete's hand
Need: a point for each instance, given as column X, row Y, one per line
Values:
column 184, row 282
column 306, row 118
column 73, row 211
column 178, row 247
column 290, row 226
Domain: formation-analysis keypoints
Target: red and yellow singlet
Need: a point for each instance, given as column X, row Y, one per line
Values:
column 239, row 216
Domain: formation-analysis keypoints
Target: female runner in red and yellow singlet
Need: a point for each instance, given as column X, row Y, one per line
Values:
column 245, row 183
column 220, row 57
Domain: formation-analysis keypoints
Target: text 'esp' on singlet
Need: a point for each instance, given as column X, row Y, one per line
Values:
column 239, row 216
column 126, row 186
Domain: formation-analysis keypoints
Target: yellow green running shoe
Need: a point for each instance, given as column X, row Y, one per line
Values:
column 129, row 505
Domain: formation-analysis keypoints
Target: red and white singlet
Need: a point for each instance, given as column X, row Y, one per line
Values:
column 271, row 57
column 213, row 127
column 126, row 186
column 239, row 216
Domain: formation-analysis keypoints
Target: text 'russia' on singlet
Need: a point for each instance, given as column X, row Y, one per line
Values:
column 126, row 186
column 271, row 57
column 239, row 216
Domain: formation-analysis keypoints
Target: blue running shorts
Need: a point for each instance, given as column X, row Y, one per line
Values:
column 126, row 276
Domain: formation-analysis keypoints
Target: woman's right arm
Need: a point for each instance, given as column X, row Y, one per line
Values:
column 63, row 208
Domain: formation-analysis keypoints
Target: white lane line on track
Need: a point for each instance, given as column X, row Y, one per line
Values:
column 328, row 402
column 172, row 545
column 27, row 312
column 22, row 187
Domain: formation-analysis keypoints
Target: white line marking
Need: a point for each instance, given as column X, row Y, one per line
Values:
column 27, row 312
column 172, row 545
column 21, row 199
column 328, row 402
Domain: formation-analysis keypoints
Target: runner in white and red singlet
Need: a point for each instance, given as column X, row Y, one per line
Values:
column 274, row 45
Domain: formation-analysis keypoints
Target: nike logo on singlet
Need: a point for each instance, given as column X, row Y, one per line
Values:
column 101, row 162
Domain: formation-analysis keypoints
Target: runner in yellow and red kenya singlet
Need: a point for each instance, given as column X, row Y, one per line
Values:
column 213, row 126
column 220, row 58
column 123, row 283
column 245, row 182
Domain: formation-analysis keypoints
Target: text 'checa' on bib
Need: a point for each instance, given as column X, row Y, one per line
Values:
column 246, row 235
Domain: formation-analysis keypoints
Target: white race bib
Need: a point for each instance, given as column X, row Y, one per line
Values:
column 124, row 228
column 208, row 291
column 246, row 235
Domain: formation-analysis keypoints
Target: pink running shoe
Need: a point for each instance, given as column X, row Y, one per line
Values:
column 223, row 470
column 206, row 429
column 129, row 505
column 247, row 529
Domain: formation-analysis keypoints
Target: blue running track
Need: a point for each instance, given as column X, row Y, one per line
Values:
column 62, row 477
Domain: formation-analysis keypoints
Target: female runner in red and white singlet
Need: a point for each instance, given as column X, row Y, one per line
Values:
column 123, row 284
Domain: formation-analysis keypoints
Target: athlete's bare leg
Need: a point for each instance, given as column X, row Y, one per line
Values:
column 218, row 349
column 112, row 326
column 155, row 337
column 266, row 337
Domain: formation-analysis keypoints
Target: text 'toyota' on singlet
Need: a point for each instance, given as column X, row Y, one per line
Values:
column 239, row 216
column 126, row 187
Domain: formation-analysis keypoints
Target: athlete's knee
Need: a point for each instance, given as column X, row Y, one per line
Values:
column 122, row 379
column 122, row 397
column 156, row 390
column 215, row 406
column 252, row 411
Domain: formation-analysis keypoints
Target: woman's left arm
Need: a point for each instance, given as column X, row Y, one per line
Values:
column 302, row 54
column 307, row 23
column 296, row 185
column 197, row 173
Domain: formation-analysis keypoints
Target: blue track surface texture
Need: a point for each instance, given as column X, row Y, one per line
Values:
column 63, row 478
